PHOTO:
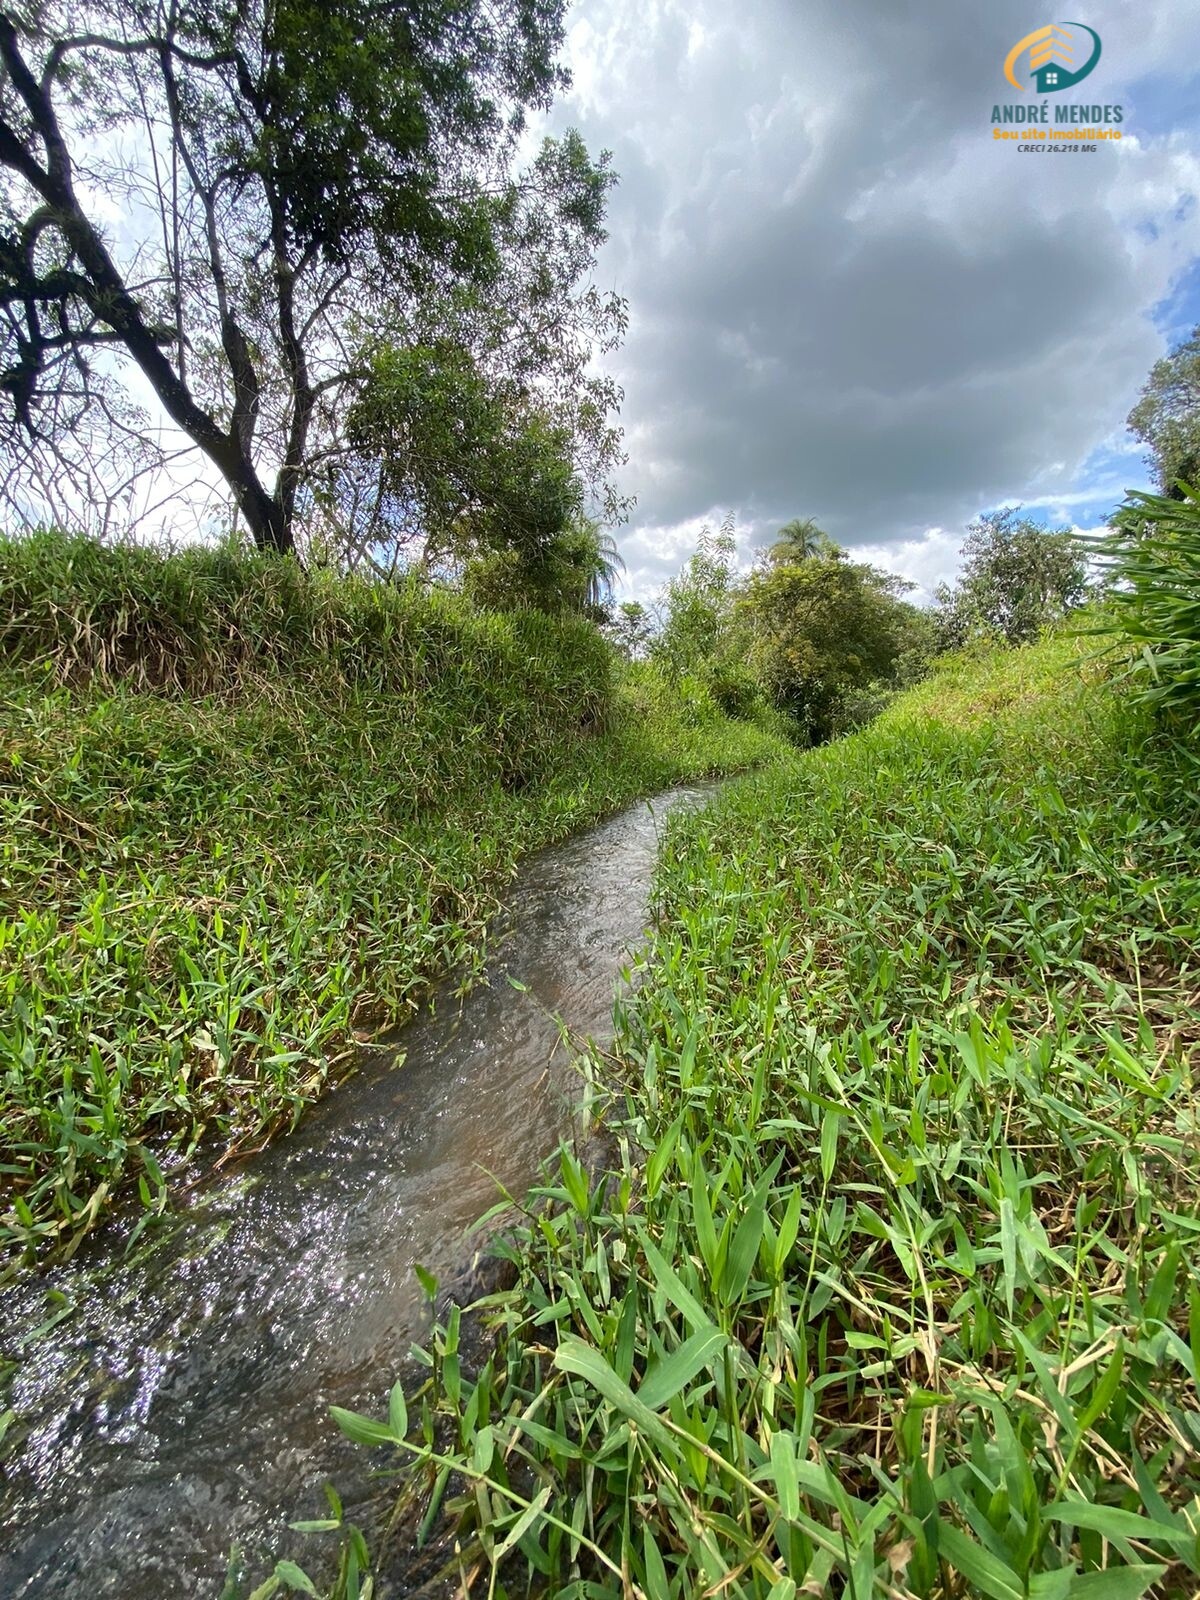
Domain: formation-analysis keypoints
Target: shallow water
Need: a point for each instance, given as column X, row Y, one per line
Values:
column 184, row 1406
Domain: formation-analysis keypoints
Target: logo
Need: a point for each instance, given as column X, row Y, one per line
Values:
column 1055, row 53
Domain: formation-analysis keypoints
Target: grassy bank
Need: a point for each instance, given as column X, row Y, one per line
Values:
column 893, row 1288
column 246, row 812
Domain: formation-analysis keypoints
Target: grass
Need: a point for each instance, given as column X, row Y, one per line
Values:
column 892, row 1286
column 247, row 814
column 1150, row 556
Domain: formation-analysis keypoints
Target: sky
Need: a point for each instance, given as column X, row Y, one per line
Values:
column 847, row 300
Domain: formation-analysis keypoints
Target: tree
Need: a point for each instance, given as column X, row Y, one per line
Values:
column 631, row 629
column 820, row 629
column 697, row 606
column 1167, row 417
column 571, row 571
column 1017, row 577
column 796, row 541
column 459, row 464
column 603, row 566
column 316, row 180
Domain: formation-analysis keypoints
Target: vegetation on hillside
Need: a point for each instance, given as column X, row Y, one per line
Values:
column 1016, row 578
column 825, row 640
column 247, row 810
column 891, row 1286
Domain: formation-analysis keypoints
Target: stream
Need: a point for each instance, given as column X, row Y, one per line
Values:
column 183, row 1407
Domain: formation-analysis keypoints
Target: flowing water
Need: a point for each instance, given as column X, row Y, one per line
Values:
column 183, row 1407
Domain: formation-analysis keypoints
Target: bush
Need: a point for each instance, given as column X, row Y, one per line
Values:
column 734, row 689
column 857, row 707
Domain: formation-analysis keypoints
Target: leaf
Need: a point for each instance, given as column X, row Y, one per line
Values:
column 1115, row 1583
column 575, row 1180
column 484, row 1449
column 1104, row 1391
column 665, row 1149
column 1113, row 1523
column 1008, row 1250
column 362, row 1430
column 829, row 1144
column 672, row 1285
column 978, row 1566
column 706, row 1233
column 397, row 1411
column 523, row 1523
column 783, row 1463
column 576, row 1357
column 296, row 1579
column 680, row 1367
column 743, row 1252
column 657, row 1586
column 788, row 1228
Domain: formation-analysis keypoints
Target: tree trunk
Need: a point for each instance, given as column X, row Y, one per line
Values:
column 270, row 527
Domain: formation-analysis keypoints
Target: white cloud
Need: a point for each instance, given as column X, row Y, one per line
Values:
column 847, row 300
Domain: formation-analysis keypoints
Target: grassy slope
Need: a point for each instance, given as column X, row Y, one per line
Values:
column 301, row 816
column 890, row 1290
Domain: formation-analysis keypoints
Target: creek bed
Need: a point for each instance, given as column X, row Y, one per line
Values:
column 183, row 1407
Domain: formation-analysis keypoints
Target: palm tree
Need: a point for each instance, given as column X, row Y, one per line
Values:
column 606, row 564
column 573, row 571
column 797, row 541
column 586, row 562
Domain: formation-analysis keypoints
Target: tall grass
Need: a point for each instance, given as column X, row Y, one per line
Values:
column 1152, row 556
column 246, row 813
column 892, row 1286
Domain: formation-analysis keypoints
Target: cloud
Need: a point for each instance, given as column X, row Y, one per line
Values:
column 847, row 300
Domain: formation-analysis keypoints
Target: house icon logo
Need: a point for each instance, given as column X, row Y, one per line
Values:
column 1058, row 57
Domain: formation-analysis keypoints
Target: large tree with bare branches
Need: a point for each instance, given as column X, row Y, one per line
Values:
column 240, row 205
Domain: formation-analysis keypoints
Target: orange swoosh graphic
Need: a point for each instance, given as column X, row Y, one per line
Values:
column 1050, row 38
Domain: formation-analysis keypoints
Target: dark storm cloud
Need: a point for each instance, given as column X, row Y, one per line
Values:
column 846, row 300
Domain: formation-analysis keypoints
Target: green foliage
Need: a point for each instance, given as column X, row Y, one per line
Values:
column 465, row 461
column 631, row 629
column 570, row 572
column 697, row 606
column 1167, row 417
column 823, row 631
column 360, row 111
column 890, row 1283
column 797, row 540
column 1152, row 557
column 696, row 700
column 1018, row 576
column 811, row 634
column 701, row 638
column 246, row 811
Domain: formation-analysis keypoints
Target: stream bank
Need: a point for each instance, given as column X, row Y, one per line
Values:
column 184, row 1406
